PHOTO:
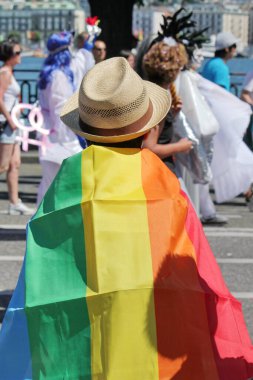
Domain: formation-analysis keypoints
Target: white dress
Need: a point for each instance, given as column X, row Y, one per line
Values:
column 61, row 142
column 204, row 124
column 232, row 163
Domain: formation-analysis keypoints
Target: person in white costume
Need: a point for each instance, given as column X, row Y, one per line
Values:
column 204, row 125
column 56, row 84
column 232, row 163
column 162, row 65
column 82, row 59
column 82, row 62
column 247, row 96
column 201, row 118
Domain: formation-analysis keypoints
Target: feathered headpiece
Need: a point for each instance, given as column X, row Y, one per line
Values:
column 174, row 27
column 193, row 40
column 181, row 29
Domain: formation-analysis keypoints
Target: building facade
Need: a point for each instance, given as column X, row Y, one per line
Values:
column 251, row 26
column 40, row 19
column 147, row 20
column 217, row 17
column 85, row 6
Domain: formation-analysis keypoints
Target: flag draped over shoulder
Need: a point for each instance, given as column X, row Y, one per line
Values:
column 119, row 282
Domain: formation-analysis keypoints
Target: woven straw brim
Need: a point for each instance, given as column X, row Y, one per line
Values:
column 161, row 101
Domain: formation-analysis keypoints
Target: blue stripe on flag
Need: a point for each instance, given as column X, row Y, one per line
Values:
column 15, row 357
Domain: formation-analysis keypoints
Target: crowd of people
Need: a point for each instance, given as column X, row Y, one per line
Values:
column 167, row 64
column 118, row 280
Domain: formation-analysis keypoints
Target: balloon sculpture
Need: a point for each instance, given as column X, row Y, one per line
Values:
column 36, row 122
column 93, row 31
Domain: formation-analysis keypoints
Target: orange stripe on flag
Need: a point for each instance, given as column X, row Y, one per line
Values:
column 183, row 338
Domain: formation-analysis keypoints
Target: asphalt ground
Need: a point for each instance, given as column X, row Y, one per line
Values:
column 232, row 244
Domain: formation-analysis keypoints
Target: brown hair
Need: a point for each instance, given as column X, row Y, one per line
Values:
column 162, row 62
column 7, row 48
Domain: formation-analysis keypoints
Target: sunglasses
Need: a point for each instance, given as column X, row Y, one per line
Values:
column 100, row 49
column 17, row 52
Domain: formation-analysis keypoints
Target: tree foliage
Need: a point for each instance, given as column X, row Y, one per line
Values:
column 14, row 35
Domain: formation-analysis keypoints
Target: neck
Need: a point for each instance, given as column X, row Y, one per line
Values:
column 164, row 85
column 9, row 66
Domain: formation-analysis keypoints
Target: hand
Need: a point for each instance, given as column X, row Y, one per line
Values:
column 175, row 109
column 184, row 145
column 12, row 125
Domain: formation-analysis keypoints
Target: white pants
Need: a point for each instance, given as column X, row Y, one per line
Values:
column 192, row 188
column 49, row 171
column 207, row 207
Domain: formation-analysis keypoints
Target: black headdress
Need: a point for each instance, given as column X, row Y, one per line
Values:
column 182, row 30
column 175, row 27
column 194, row 39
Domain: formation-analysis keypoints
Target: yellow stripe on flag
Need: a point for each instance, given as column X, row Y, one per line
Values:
column 119, row 266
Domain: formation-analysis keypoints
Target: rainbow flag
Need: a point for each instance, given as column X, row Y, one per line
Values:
column 119, row 282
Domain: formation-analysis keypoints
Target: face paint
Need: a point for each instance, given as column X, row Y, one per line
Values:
column 197, row 58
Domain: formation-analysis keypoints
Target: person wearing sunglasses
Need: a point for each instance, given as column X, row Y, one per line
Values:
column 99, row 51
column 10, row 55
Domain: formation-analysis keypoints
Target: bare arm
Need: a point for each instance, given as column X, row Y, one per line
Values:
column 165, row 150
column 246, row 97
column 5, row 80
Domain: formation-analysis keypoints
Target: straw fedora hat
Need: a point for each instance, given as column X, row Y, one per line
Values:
column 114, row 104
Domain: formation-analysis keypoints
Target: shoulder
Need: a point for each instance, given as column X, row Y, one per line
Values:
column 214, row 62
column 219, row 64
column 5, row 73
column 208, row 66
column 155, row 171
column 216, row 70
column 5, row 78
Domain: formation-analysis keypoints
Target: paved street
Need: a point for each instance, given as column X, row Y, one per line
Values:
column 232, row 244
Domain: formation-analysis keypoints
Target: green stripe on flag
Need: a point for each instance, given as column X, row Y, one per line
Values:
column 57, row 315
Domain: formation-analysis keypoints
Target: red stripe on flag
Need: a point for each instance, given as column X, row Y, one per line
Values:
column 231, row 342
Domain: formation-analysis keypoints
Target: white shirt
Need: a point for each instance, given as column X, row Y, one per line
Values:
column 81, row 63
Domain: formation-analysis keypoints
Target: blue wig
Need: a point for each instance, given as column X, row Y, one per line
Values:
column 59, row 58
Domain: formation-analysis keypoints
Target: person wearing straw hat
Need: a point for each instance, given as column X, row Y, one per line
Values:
column 105, row 115
column 114, row 283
